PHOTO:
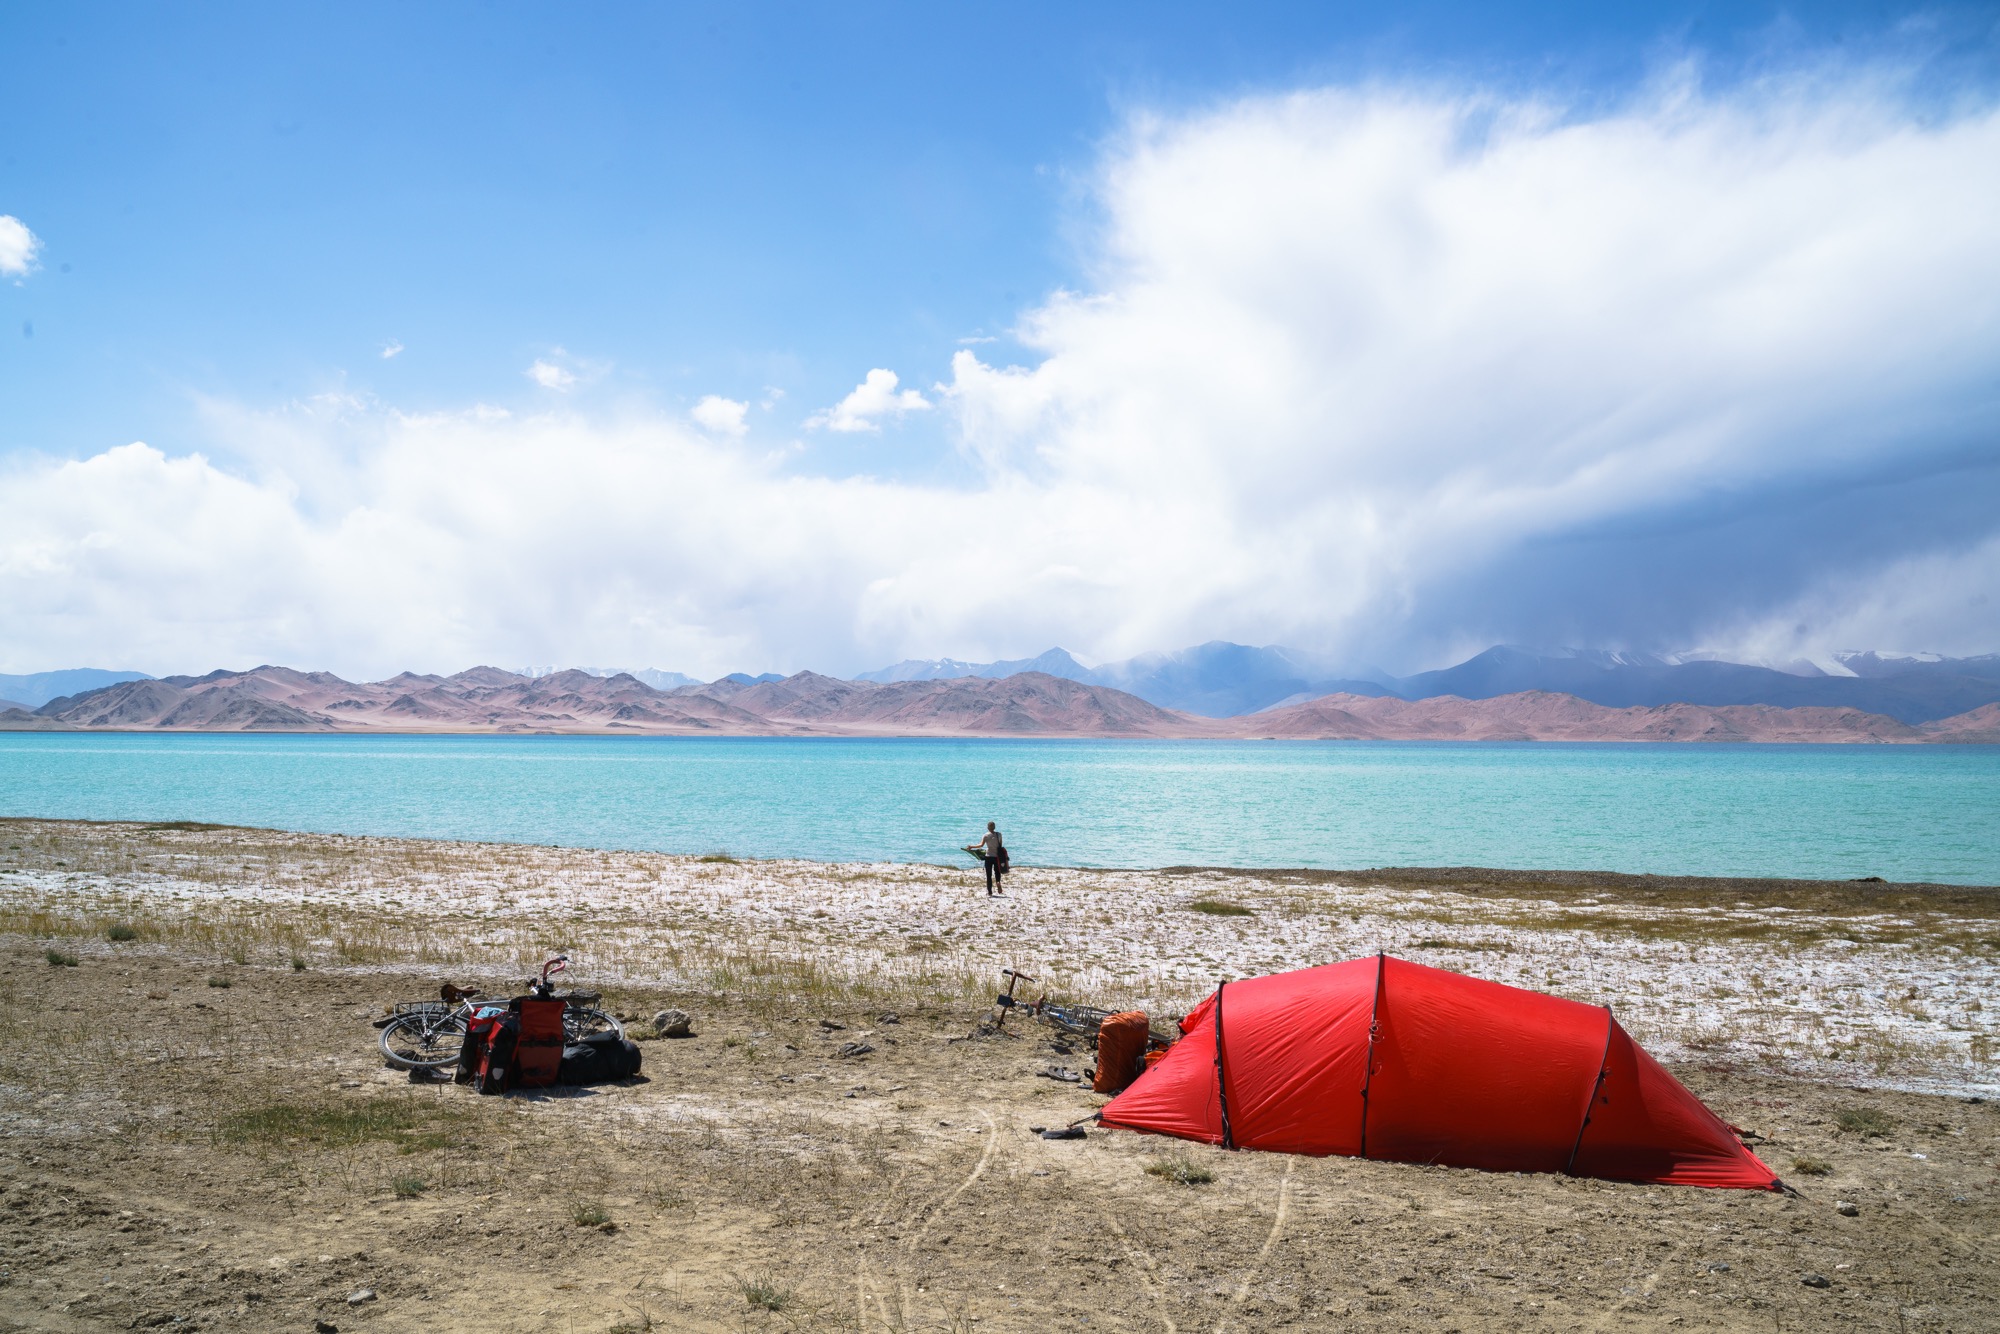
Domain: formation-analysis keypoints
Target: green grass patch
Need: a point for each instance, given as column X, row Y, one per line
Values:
column 1811, row 1167
column 409, row 1126
column 1220, row 908
column 1864, row 1121
column 717, row 858
column 120, row 932
column 1180, row 1169
column 408, row 1188
column 589, row 1213
column 1468, row 946
column 178, row 826
column 57, row 959
column 220, row 983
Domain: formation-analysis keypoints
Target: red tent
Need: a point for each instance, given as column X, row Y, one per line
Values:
column 1380, row 1058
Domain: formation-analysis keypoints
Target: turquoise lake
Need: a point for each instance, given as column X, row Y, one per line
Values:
column 1902, row 812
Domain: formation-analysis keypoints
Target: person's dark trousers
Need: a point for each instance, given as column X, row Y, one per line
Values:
column 993, row 875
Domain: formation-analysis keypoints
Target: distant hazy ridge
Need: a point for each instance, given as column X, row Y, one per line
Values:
column 1222, row 680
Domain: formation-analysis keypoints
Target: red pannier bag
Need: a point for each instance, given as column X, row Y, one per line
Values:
column 538, row 1051
column 1121, row 1051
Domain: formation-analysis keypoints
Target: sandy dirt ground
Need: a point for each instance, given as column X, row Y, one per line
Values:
column 197, row 1131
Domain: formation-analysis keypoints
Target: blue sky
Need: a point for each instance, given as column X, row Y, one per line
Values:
column 238, row 210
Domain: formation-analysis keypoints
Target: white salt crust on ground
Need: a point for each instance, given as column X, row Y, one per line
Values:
column 1885, row 999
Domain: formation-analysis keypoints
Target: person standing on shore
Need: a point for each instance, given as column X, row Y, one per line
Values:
column 993, row 852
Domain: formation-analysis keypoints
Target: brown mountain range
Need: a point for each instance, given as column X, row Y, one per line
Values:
column 485, row 699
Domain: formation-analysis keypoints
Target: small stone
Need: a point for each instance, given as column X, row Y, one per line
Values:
column 830, row 1026
column 672, row 1023
column 1816, row 1281
column 1720, row 1267
column 849, row 1094
column 362, row 1297
column 325, row 1327
column 890, row 1018
column 1846, row 1208
column 847, row 1049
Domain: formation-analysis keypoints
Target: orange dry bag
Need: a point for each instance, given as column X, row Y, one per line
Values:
column 1121, row 1051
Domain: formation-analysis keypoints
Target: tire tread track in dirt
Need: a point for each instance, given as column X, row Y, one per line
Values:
column 1978, row 1249
column 1145, row 1267
column 906, row 1296
column 1264, row 1253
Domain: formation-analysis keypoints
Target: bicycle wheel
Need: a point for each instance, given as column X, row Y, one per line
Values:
column 1081, row 1021
column 580, row 1021
column 424, row 1041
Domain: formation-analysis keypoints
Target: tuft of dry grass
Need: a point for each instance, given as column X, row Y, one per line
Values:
column 1864, row 1121
column 1181, row 1169
column 57, row 959
column 1812, row 1167
column 1220, row 908
column 767, row 1294
column 410, row 1126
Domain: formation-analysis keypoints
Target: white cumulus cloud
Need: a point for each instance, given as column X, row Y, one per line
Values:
column 875, row 398
column 1389, row 373
column 549, row 375
column 721, row 416
column 18, row 247
column 391, row 350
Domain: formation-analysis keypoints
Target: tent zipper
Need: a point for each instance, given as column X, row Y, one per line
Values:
column 1368, row 1067
column 1221, row 1078
column 1603, row 1069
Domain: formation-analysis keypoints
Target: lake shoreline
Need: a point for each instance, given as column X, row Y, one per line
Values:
column 1467, row 878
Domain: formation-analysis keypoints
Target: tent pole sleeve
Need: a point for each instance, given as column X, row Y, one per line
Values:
column 1221, row 1078
column 1603, row 1069
column 1368, row 1069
